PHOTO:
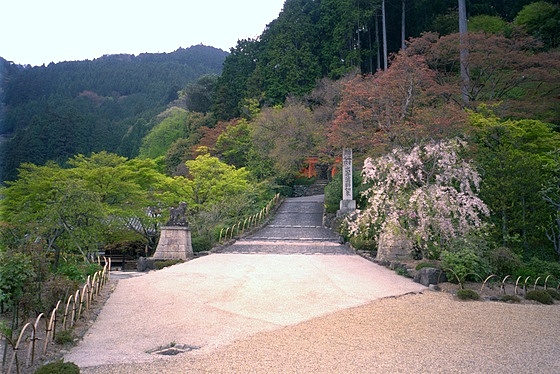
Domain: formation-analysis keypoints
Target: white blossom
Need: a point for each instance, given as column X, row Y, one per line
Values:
column 428, row 193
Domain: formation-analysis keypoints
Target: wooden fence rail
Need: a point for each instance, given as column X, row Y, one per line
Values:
column 67, row 313
column 249, row 222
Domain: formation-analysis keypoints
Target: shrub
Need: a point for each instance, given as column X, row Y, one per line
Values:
column 541, row 296
column 333, row 192
column 64, row 337
column 303, row 181
column 284, row 190
column 468, row 295
column 56, row 287
column 427, row 264
column 554, row 294
column 77, row 271
column 463, row 265
column 163, row 264
column 201, row 243
column 402, row 272
column 510, row 299
column 59, row 367
column 363, row 244
column 539, row 268
column 504, row 261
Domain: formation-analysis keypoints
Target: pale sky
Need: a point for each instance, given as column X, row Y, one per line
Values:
column 43, row 31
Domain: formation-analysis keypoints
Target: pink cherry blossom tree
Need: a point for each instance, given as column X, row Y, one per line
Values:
column 427, row 193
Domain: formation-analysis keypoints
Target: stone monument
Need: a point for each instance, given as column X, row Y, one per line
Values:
column 347, row 204
column 175, row 238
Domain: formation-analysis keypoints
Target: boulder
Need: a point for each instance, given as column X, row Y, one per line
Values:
column 427, row 276
column 393, row 246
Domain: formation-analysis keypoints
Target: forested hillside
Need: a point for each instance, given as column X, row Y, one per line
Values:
column 54, row 112
column 315, row 39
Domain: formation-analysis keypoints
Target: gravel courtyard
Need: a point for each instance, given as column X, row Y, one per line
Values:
column 291, row 299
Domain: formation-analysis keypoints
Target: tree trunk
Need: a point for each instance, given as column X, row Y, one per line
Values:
column 403, row 29
column 383, row 20
column 377, row 41
column 464, row 52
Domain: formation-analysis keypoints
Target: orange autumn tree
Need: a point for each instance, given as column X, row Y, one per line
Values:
column 396, row 107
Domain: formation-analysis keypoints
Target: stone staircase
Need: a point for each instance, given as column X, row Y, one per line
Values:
column 317, row 188
column 297, row 228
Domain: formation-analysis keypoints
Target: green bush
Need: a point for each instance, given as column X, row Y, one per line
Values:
column 504, row 261
column 333, row 192
column 59, row 367
column 541, row 296
column 201, row 243
column 468, row 295
column 363, row 244
column 284, row 190
column 554, row 294
column 64, row 337
column 77, row 271
column 539, row 268
column 427, row 264
column 303, row 181
column 464, row 264
column 163, row 264
column 510, row 299
column 402, row 272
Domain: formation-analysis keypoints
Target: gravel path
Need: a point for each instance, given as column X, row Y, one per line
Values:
column 429, row 332
column 216, row 300
column 291, row 299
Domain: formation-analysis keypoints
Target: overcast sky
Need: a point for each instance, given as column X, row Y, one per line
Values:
column 43, row 31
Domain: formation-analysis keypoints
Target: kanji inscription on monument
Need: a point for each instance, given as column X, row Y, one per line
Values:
column 347, row 204
column 347, row 174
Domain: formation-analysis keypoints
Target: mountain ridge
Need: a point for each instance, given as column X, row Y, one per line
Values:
column 53, row 112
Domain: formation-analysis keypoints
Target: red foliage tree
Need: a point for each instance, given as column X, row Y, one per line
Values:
column 209, row 136
column 398, row 106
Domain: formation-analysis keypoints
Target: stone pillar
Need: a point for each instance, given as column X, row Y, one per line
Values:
column 174, row 244
column 347, row 204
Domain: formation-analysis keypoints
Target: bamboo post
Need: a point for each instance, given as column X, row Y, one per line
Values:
column 70, row 298
column 16, row 347
column 516, row 284
column 536, row 281
column 51, row 327
column 486, row 280
column 35, row 338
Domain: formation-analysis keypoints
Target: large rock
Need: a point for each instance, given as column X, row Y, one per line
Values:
column 427, row 276
column 393, row 246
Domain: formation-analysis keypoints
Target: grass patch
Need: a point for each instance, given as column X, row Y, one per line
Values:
column 402, row 272
column 468, row 295
column 510, row 299
column 59, row 367
column 64, row 337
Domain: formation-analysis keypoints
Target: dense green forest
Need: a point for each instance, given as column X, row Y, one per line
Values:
column 53, row 112
column 315, row 39
column 466, row 170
